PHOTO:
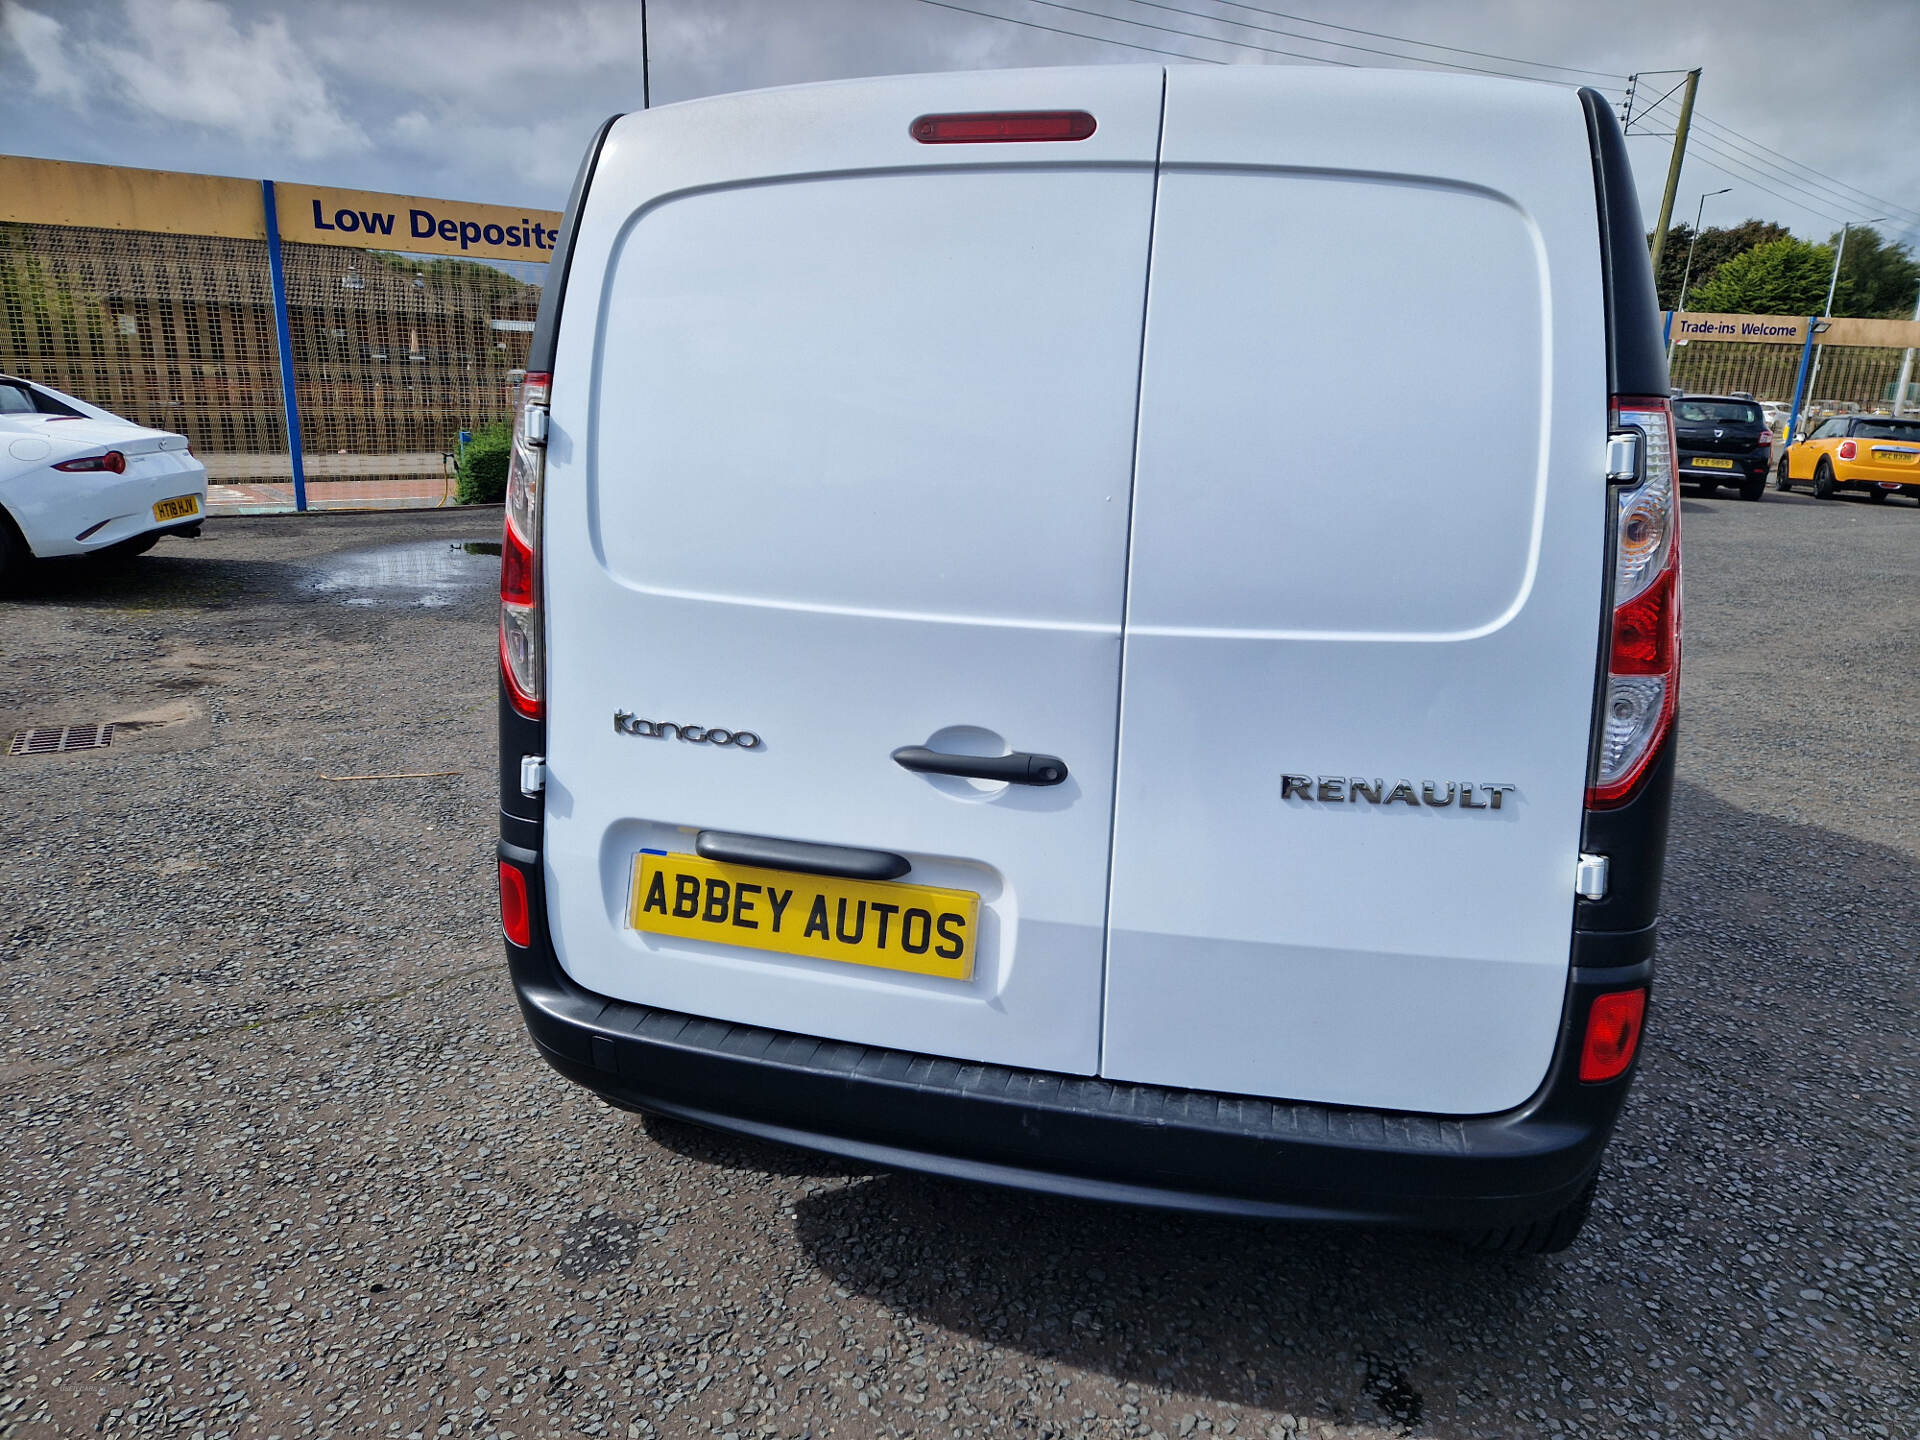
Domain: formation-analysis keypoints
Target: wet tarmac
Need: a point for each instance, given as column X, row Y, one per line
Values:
column 429, row 574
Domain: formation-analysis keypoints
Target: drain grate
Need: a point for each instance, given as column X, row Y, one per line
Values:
column 59, row 739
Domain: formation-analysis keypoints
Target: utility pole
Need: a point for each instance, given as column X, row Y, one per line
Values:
column 646, row 84
column 1673, row 169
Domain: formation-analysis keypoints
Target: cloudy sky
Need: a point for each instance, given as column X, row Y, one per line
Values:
column 1811, row 112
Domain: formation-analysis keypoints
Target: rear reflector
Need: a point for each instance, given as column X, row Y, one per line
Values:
column 1613, row 1033
column 519, row 929
column 1002, row 126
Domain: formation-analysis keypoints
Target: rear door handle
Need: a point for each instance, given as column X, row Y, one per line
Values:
column 1019, row 768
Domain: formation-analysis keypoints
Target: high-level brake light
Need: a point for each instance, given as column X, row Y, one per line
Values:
column 522, row 654
column 1643, row 643
column 1001, row 126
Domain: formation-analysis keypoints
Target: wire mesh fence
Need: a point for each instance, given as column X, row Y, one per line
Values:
column 394, row 356
column 1841, row 377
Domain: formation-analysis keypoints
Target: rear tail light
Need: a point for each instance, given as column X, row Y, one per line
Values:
column 1002, row 126
column 522, row 654
column 113, row 460
column 1614, row 1022
column 1848, row 449
column 1643, row 642
column 514, row 918
column 1766, row 437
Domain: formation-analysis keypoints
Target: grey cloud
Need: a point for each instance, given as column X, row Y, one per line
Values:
column 492, row 99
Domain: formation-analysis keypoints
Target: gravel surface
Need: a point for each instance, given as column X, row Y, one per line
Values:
column 279, row 1160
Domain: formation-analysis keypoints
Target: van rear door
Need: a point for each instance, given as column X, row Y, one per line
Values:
column 1368, row 547
column 841, row 448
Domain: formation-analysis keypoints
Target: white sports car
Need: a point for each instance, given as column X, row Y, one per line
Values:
column 79, row 480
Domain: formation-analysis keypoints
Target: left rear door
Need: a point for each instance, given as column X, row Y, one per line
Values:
column 841, row 457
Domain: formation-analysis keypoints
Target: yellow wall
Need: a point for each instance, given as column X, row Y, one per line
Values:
column 116, row 197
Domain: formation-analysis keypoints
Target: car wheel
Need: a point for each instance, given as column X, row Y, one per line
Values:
column 1547, row 1236
column 1823, row 479
column 1781, row 479
column 1754, row 488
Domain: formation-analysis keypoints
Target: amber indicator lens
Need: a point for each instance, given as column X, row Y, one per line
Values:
column 1002, row 125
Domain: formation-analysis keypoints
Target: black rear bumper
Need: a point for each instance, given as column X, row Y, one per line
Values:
column 1092, row 1138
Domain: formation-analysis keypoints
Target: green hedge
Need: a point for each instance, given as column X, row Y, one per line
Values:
column 483, row 465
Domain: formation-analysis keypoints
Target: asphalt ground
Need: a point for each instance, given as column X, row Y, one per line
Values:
column 278, row 1159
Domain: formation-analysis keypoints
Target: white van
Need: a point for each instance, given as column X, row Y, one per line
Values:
column 989, row 685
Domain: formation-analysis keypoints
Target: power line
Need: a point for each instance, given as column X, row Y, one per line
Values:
column 1209, row 39
column 1813, row 200
column 1076, row 34
column 1426, row 44
column 1839, row 187
column 1334, row 44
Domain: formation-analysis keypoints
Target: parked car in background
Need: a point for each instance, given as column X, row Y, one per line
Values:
column 1723, row 440
column 79, row 480
column 1873, row 453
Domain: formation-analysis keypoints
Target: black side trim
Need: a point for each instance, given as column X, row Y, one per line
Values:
column 546, row 326
column 1634, row 840
column 1636, row 359
column 801, row 855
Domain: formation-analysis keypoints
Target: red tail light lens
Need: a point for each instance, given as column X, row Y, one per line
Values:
column 1002, row 126
column 514, row 916
column 522, row 644
column 1766, row 437
column 1613, row 1034
column 1643, row 655
column 112, row 461
column 1848, row 450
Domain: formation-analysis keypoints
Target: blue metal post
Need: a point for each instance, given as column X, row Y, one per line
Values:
column 1800, row 381
column 288, row 402
column 1666, row 335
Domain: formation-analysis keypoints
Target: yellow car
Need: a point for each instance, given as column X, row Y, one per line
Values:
column 1874, row 453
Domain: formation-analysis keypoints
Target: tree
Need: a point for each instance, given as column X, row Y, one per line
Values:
column 1781, row 277
column 1716, row 246
column 1876, row 278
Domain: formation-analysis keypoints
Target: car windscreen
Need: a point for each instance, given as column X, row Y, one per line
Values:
column 1716, row 412
column 1908, row 430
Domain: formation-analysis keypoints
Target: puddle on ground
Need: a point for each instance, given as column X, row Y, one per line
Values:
column 429, row 573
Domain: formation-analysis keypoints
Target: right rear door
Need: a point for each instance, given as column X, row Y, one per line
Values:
column 1367, row 543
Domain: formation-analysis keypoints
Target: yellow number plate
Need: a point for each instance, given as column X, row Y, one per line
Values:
column 858, row 922
column 1715, row 464
column 177, row 508
column 1896, row 457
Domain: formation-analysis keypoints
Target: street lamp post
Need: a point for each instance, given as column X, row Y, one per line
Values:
column 1833, row 284
column 1686, row 275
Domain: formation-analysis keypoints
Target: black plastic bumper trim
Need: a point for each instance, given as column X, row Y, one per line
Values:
column 1085, row 1136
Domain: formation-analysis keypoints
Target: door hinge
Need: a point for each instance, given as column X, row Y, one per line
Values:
column 1590, row 877
column 533, row 774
